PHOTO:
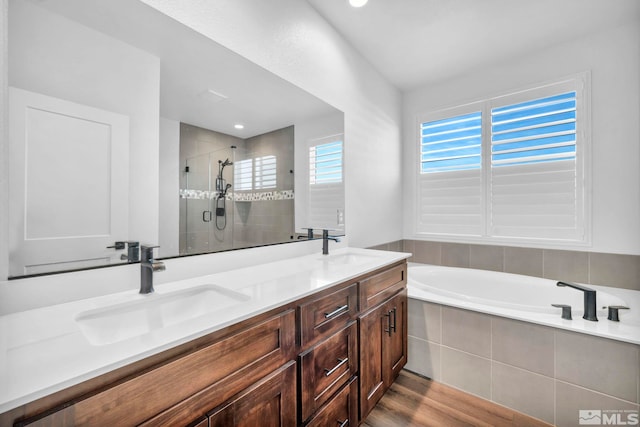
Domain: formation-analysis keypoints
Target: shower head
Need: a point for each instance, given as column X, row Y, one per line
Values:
column 226, row 162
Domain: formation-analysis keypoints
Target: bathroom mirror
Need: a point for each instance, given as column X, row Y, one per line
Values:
column 127, row 126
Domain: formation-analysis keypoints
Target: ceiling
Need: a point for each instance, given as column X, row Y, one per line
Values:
column 418, row 42
column 195, row 71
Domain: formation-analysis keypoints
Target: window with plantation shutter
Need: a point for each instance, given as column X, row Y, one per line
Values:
column 512, row 170
column 450, row 182
column 326, row 192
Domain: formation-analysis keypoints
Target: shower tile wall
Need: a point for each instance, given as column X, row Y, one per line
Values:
column 621, row 271
column 269, row 221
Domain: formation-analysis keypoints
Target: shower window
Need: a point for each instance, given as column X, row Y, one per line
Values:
column 265, row 169
column 259, row 173
column 507, row 168
column 243, row 175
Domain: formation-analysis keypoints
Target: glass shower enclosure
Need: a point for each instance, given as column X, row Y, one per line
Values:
column 208, row 208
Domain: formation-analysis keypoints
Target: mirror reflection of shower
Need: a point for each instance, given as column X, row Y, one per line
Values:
column 235, row 193
column 222, row 187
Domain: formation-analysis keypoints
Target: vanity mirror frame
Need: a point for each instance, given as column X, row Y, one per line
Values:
column 136, row 216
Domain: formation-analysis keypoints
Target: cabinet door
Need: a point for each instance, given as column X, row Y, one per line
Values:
column 269, row 403
column 372, row 334
column 383, row 349
column 395, row 344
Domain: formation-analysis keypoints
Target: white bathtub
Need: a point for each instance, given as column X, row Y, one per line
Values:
column 525, row 298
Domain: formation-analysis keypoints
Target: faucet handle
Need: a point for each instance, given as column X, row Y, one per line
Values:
column 566, row 310
column 613, row 312
column 147, row 252
column 117, row 246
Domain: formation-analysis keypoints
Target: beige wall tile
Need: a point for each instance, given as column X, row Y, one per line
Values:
column 535, row 399
column 600, row 364
column 424, row 320
column 525, row 261
column 455, row 255
column 427, row 252
column 467, row 331
column 424, row 358
column 409, row 246
column 466, row 372
column 524, row 345
column 570, row 266
column 486, row 257
column 571, row 399
column 622, row 271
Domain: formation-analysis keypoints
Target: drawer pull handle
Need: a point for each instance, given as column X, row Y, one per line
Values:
column 336, row 311
column 341, row 362
column 343, row 423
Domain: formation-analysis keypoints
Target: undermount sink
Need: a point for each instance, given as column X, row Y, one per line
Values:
column 348, row 259
column 111, row 324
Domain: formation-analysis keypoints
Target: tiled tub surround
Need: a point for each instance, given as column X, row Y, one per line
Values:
column 541, row 371
column 617, row 270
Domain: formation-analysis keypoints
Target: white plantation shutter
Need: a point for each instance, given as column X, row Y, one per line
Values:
column 536, row 182
column 326, row 191
column 526, row 183
column 450, row 182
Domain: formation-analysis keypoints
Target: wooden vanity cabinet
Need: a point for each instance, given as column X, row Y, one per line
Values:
column 383, row 348
column 185, row 389
column 323, row 360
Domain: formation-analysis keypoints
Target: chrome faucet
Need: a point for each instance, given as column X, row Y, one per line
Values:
column 325, row 241
column 147, row 266
column 589, row 300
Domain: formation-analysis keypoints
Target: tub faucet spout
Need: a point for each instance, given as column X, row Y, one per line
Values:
column 589, row 300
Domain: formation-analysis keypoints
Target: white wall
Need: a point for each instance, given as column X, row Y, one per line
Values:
column 54, row 56
column 290, row 39
column 613, row 56
column 169, row 212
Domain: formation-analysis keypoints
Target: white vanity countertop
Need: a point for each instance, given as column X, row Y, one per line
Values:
column 45, row 350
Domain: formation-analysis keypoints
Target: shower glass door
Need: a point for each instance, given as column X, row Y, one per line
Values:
column 208, row 208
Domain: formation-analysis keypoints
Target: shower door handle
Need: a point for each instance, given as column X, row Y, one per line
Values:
column 204, row 216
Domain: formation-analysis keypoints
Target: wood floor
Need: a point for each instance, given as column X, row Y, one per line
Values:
column 417, row 401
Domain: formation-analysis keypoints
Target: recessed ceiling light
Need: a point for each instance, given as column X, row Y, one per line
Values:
column 358, row 3
column 238, row 126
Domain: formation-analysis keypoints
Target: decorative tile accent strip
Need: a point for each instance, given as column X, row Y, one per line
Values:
column 238, row 197
column 264, row 195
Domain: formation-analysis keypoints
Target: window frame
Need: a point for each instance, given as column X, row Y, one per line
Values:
column 580, row 83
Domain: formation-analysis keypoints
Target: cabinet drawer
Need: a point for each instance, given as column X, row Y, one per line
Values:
column 378, row 288
column 193, row 383
column 341, row 410
column 325, row 315
column 326, row 367
column 270, row 402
